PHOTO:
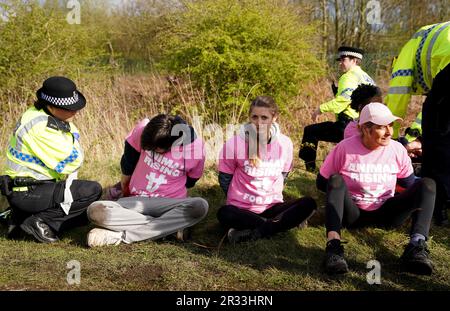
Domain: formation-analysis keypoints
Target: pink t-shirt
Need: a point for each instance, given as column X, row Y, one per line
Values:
column 351, row 129
column 256, row 188
column 370, row 175
column 164, row 175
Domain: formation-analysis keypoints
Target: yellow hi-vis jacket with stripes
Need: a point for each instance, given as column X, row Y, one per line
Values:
column 348, row 82
column 419, row 61
column 40, row 149
column 417, row 127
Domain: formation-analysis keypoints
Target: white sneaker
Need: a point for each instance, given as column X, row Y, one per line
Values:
column 100, row 237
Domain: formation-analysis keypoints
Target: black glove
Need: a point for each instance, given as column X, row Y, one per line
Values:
column 334, row 88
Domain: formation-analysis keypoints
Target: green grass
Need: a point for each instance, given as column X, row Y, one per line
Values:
column 288, row 261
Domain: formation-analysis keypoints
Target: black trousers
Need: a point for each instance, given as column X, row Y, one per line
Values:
column 326, row 131
column 278, row 218
column 44, row 201
column 436, row 137
column 416, row 202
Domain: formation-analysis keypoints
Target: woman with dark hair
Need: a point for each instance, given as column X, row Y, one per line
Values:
column 43, row 157
column 252, row 169
column 162, row 158
column 363, row 95
column 359, row 178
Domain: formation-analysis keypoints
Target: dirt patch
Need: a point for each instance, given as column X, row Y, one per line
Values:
column 141, row 277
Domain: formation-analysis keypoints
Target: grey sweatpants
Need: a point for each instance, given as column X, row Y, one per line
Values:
column 142, row 218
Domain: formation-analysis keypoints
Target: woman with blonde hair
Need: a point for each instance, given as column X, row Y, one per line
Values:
column 252, row 168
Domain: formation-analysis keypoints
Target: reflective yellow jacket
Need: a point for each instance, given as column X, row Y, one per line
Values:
column 41, row 148
column 348, row 82
column 416, row 126
column 420, row 60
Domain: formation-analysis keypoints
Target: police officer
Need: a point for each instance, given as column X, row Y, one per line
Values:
column 423, row 68
column 349, row 60
column 43, row 157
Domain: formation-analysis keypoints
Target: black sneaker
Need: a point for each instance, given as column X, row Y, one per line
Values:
column 416, row 259
column 13, row 231
column 334, row 258
column 441, row 217
column 37, row 228
column 237, row 236
column 5, row 216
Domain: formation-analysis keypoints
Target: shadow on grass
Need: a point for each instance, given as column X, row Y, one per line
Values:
column 392, row 270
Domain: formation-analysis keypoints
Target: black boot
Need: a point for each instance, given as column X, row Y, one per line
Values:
column 10, row 222
column 334, row 259
column 441, row 216
column 237, row 236
column 416, row 259
column 36, row 227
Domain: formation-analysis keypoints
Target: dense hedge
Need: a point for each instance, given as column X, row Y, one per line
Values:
column 239, row 49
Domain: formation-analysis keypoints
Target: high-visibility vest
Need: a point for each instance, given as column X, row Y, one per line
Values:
column 416, row 127
column 348, row 82
column 419, row 62
column 40, row 149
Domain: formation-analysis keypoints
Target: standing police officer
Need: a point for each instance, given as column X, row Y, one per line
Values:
column 423, row 68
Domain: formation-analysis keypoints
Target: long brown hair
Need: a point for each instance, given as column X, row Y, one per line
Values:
column 264, row 102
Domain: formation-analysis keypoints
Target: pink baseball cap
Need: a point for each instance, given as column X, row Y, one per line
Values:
column 377, row 113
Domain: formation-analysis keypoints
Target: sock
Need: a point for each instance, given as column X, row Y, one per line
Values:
column 414, row 240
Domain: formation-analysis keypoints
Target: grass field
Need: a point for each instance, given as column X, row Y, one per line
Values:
column 288, row 261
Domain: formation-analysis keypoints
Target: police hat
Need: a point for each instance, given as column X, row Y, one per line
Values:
column 344, row 51
column 62, row 93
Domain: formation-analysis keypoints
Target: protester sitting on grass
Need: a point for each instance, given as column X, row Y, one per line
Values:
column 158, row 165
column 367, row 93
column 252, row 169
column 361, row 96
column 359, row 177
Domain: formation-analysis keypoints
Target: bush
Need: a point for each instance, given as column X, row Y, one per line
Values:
column 37, row 41
column 238, row 49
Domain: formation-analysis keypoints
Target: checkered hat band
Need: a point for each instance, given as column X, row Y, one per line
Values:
column 348, row 53
column 64, row 101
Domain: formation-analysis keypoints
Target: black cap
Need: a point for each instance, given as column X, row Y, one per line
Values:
column 344, row 51
column 62, row 93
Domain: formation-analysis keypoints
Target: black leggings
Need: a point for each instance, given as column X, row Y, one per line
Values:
column 326, row 131
column 416, row 202
column 44, row 201
column 278, row 218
